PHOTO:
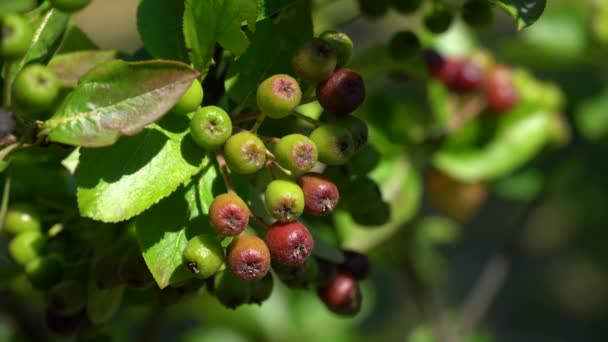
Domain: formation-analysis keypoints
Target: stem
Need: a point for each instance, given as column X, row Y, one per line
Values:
column 246, row 117
column 5, row 198
column 224, row 169
column 258, row 123
column 307, row 118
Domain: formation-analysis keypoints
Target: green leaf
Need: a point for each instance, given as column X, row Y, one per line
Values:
column 102, row 305
column 16, row 6
column 70, row 67
column 272, row 47
column 159, row 23
column 217, row 21
column 267, row 8
column 118, row 182
column 163, row 230
column 591, row 117
column 76, row 40
column 525, row 12
column 521, row 134
column 49, row 27
column 117, row 98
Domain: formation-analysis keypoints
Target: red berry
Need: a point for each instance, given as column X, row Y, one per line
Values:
column 248, row 258
column 289, row 243
column 355, row 264
column 468, row 78
column 341, row 295
column 320, row 194
column 449, row 71
column 342, row 92
column 229, row 214
column 500, row 91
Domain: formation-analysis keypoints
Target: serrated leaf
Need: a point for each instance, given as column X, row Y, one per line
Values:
column 118, row 182
column 70, row 67
column 159, row 23
column 217, row 21
column 267, row 8
column 16, row 6
column 117, row 98
column 163, row 230
column 525, row 12
column 522, row 133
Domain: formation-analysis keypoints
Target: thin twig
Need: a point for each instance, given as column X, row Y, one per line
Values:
column 258, row 123
column 224, row 169
column 245, row 117
column 5, row 199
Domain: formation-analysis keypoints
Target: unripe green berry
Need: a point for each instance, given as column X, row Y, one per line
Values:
column 15, row 36
column 245, row 153
column 335, row 144
column 68, row 297
column 69, row 6
column 477, row 13
column 406, row 6
column 278, row 96
column 404, row 44
column 297, row 153
column 191, row 99
column 284, row 200
column 20, row 218
column 343, row 45
column 231, row 291
column 357, row 128
column 44, row 272
column 248, row 257
column 210, row 127
column 315, row 61
column 229, row 214
column 27, row 246
column 36, row 88
column 203, row 255
column 261, row 289
column 439, row 19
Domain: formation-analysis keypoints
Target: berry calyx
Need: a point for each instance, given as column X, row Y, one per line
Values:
column 27, row 246
column 289, row 243
column 248, row 258
column 35, row 88
column 210, row 127
column 438, row 19
column 245, row 153
column 335, row 144
column 15, row 36
column 203, row 256
column 406, row 6
column 320, row 194
column 500, row 90
column 341, row 295
column 69, row 6
column 403, row 45
column 342, row 92
column 477, row 13
column 341, row 43
column 284, row 200
column 296, row 153
column 355, row 264
column 191, row 99
column 315, row 61
column 20, row 218
column 278, row 95
column 229, row 214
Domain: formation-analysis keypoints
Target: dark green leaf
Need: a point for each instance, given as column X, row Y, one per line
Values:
column 217, row 21
column 70, row 67
column 118, row 182
column 525, row 12
column 267, row 8
column 16, row 6
column 159, row 23
column 117, row 98
column 76, row 40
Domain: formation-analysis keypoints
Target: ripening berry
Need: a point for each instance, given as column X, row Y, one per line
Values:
column 357, row 128
column 320, row 194
column 248, row 257
column 477, row 13
column 229, row 214
column 468, row 78
column 68, row 297
column 335, row 144
column 403, row 45
column 434, row 62
column 284, row 200
column 203, row 255
column 15, row 36
column 278, row 96
column 289, row 243
column 261, row 289
column 438, row 19
column 500, row 90
column 296, row 153
column 355, row 264
column 341, row 43
column 342, row 92
column 210, row 127
column 20, row 218
column 406, row 6
column 341, row 295
column 191, row 99
column 373, row 9
column 44, row 272
column 133, row 270
column 231, row 291
column 245, row 153
column 447, row 71
column 27, row 246
column 315, row 60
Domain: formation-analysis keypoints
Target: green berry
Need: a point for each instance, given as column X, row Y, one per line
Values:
column 297, row 153
column 357, row 128
column 69, row 6
column 261, row 289
column 35, row 88
column 20, row 218
column 343, row 45
column 15, row 36
column 230, row 290
column 477, row 13
column 404, row 44
column 406, row 6
column 315, row 61
column 191, row 99
column 68, row 297
column 203, row 255
column 27, row 246
column 278, row 96
column 210, row 127
column 284, row 200
column 439, row 19
column 44, row 272
column 245, row 153
column 335, row 144
column 373, row 9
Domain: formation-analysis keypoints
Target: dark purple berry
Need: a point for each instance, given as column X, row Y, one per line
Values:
column 342, row 92
column 355, row 264
column 341, row 295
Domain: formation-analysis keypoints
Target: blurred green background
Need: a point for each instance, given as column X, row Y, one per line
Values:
column 526, row 262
